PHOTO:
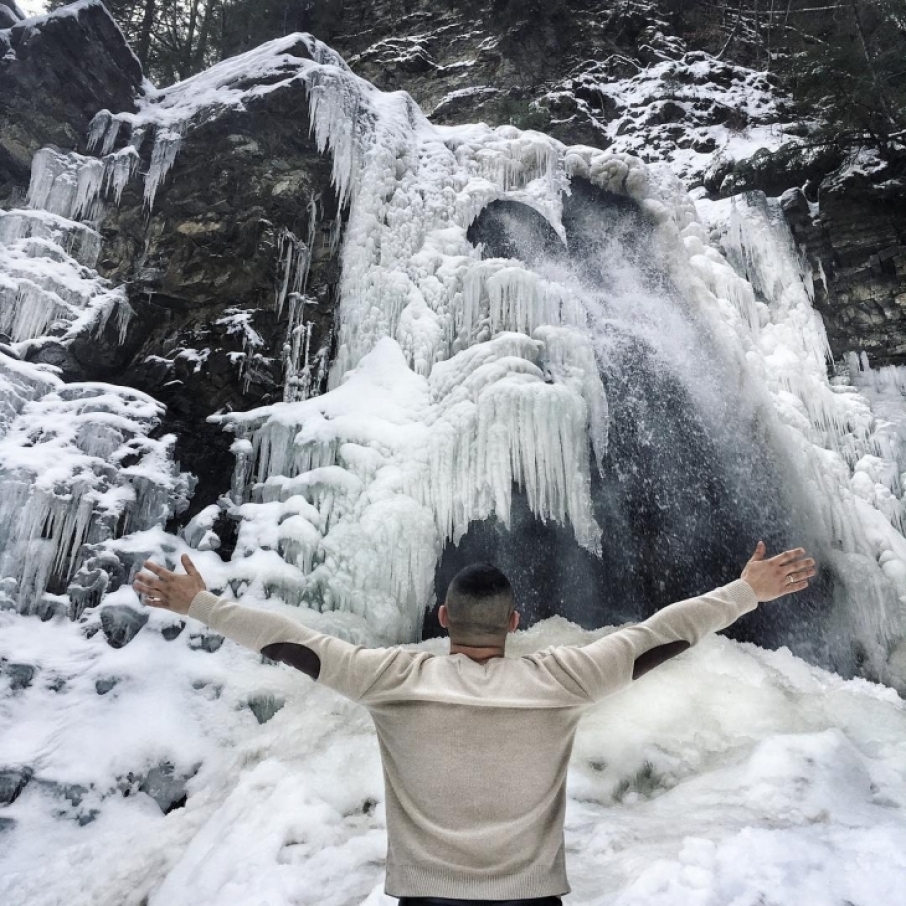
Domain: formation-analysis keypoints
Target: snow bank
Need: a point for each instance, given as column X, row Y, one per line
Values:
column 729, row 773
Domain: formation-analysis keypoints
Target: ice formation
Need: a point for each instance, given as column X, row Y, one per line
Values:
column 48, row 286
column 456, row 376
column 78, row 467
column 853, row 457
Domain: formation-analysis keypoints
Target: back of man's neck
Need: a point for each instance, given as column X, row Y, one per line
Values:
column 479, row 653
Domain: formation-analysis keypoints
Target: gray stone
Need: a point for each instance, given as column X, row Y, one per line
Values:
column 173, row 630
column 53, row 79
column 265, row 706
column 205, row 641
column 121, row 624
column 12, row 782
column 161, row 783
column 74, row 793
column 103, row 686
column 20, row 675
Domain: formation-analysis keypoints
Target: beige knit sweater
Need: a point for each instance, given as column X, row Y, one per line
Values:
column 475, row 755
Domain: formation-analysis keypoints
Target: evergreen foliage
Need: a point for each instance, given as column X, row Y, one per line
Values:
column 844, row 61
column 852, row 72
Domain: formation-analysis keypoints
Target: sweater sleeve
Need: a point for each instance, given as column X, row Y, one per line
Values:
column 607, row 665
column 346, row 668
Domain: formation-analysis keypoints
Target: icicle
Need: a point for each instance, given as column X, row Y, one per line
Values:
column 67, row 185
column 163, row 156
column 294, row 257
column 60, row 464
column 97, row 128
column 119, row 169
column 297, row 382
column 88, row 189
column 336, row 231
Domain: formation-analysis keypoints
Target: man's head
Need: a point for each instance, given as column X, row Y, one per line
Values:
column 479, row 609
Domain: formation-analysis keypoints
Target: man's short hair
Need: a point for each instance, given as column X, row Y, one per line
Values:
column 479, row 602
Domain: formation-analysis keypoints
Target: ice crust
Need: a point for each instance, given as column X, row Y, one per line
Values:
column 78, row 465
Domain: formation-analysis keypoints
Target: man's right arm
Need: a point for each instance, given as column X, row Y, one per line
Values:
column 615, row 660
column 348, row 669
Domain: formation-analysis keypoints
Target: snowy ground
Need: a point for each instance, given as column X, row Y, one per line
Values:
column 730, row 775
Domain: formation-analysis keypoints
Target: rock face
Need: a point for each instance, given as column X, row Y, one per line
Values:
column 10, row 14
column 56, row 72
column 585, row 72
column 203, row 274
column 856, row 245
column 846, row 212
column 210, row 271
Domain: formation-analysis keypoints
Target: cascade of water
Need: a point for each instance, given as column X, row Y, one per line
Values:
column 680, row 350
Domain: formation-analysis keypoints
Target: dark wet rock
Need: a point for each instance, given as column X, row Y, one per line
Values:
column 265, row 706
column 91, row 630
column 12, row 782
column 50, row 607
column 54, row 76
column 7, row 824
column 773, row 172
column 166, row 787
column 10, row 14
column 121, row 624
column 205, row 641
column 20, row 675
column 173, row 630
column 103, row 686
column 855, row 241
column 215, row 689
column 73, row 793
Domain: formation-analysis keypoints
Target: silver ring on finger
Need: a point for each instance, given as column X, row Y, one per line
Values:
column 789, row 580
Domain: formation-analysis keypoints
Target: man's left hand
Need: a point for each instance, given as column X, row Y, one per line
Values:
column 167, row 589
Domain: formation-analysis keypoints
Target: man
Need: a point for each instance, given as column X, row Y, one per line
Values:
column 474, row 745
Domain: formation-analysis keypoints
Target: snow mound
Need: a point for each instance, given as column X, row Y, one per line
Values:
column 674, row 782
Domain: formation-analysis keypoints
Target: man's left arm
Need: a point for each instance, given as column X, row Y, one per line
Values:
column 346, row 668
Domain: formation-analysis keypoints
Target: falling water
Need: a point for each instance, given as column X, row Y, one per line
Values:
column 692, row 475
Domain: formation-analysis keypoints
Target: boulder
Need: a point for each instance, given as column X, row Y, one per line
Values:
column 56, row 72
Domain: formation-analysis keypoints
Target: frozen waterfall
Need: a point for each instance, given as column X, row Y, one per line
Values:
column 555, row 347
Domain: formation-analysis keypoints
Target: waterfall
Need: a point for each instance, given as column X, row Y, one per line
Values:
column 552, row 352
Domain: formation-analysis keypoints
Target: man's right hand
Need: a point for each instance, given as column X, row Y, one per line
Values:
column 780, row 575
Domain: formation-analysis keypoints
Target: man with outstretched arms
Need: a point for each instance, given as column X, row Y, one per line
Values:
column 475, row 745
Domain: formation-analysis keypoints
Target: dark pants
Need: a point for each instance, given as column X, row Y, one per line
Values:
column 441, row 901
